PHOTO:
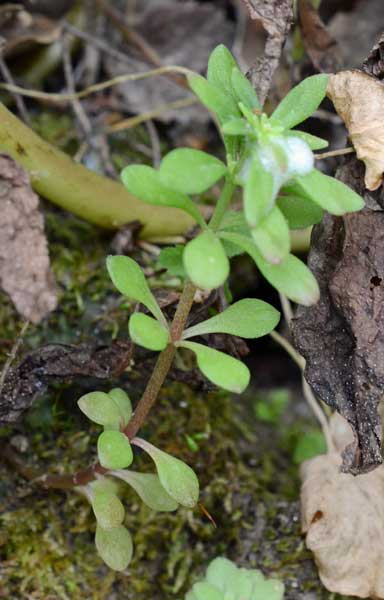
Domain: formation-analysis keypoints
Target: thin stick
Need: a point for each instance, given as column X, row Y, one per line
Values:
column 12, row 354
column 147, row 116
column 6, row 73
column 70, row 81
column 155, row 143
column 331, row 153
column 308, row 394
column 97, row 87
column 286, row 308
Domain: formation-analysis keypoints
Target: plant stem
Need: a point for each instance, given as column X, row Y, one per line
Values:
column 222, row 204
column 146, row 402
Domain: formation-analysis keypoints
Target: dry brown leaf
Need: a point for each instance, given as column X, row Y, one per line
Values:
column 321, row 48
column 359, row 100
column 343, row 519
column 20, row 30
column 24, row 262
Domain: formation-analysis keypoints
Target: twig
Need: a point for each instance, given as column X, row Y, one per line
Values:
column 6, row 73
column 287, row 308
column 12, row 354
column 155, row 112
column 308, row 394
column 98, row 87
column 155, row 143
column 70, row 81
column 339, row 152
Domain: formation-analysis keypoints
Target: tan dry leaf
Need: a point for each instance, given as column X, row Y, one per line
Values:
column 343, row 519
column 359, row 100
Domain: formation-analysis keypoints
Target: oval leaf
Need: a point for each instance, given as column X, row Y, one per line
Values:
column 149, row 488
column 205, row 261
column 129, row 279
column 272, row 237
column 259, row 193
column 246, row 318
column 108, row 509
column 301, row 101
column 217, row 102
column 114, row 450
column 191, row 171
column 147, row 332
column 100, row 409
column 236, row 127
column 177, row 478
column 205, row 591
column 122, row 401
column 171, row 258
column 299, row 212
column 114, row 546
column 243, row 90
column 146, row 184
column 223, row 370
column 291, row 277
column 329, row 193
column 219, row 72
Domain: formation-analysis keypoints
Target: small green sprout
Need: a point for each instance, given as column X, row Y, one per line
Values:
column 224, row 580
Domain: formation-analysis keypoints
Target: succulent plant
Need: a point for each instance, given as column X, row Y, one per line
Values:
column 225, row 581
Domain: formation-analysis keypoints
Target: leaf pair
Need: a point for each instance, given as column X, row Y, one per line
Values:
column 112, row 410
column 183, row 171
column 247, row 318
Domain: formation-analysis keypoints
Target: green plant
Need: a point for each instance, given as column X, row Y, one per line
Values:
column 225, row 581
column 273, row 167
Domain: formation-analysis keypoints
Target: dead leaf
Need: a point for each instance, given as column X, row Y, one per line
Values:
column 374, row 64
column 320, row 46
column 58, row 362
column 341, row 337
column 343, row 520
column 359, row 100
column 276, row 17
column 180, row 33
column 24, row 261
column 20, row 29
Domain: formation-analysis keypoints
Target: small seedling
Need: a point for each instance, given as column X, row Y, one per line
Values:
column 273, row 166
column 223, row 579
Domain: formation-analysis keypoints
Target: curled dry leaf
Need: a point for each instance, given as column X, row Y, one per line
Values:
column 25, row 272
column 359, row 100
column 321, row 48
column 343, row 519
column 19, row 29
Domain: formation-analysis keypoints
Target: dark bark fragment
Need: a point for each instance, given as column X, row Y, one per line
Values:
column 342, row 337
column 58, row 362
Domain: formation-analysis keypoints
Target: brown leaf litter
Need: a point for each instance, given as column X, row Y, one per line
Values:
column 359, row 100
column 343, row 520
column 25, row 272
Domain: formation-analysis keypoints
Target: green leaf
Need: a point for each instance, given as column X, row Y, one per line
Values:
column 272, row 405
column 108, row 509
column 221, row 104
column 177, row 478
column 221, row 572
column 100, row 409
column 205, row 261
column 149, row 488
column 236, row 127
column 221, row 369
column 146, row 184
column 298, row 211
column 244, row 90
column 259, row 193
column 314, row 142
column 171, row 258
column 191, row 171
column 246, row 318
column 301, row 101
column 269, row 589
column 219, row 73
column 272, row 237
column 129, row 279
column 147, row 332
column 204, row 591
column 291, row 277
column 309, row 445
column 329, row 193
column 114, row 450
column 114, row 546
column 122, row 401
